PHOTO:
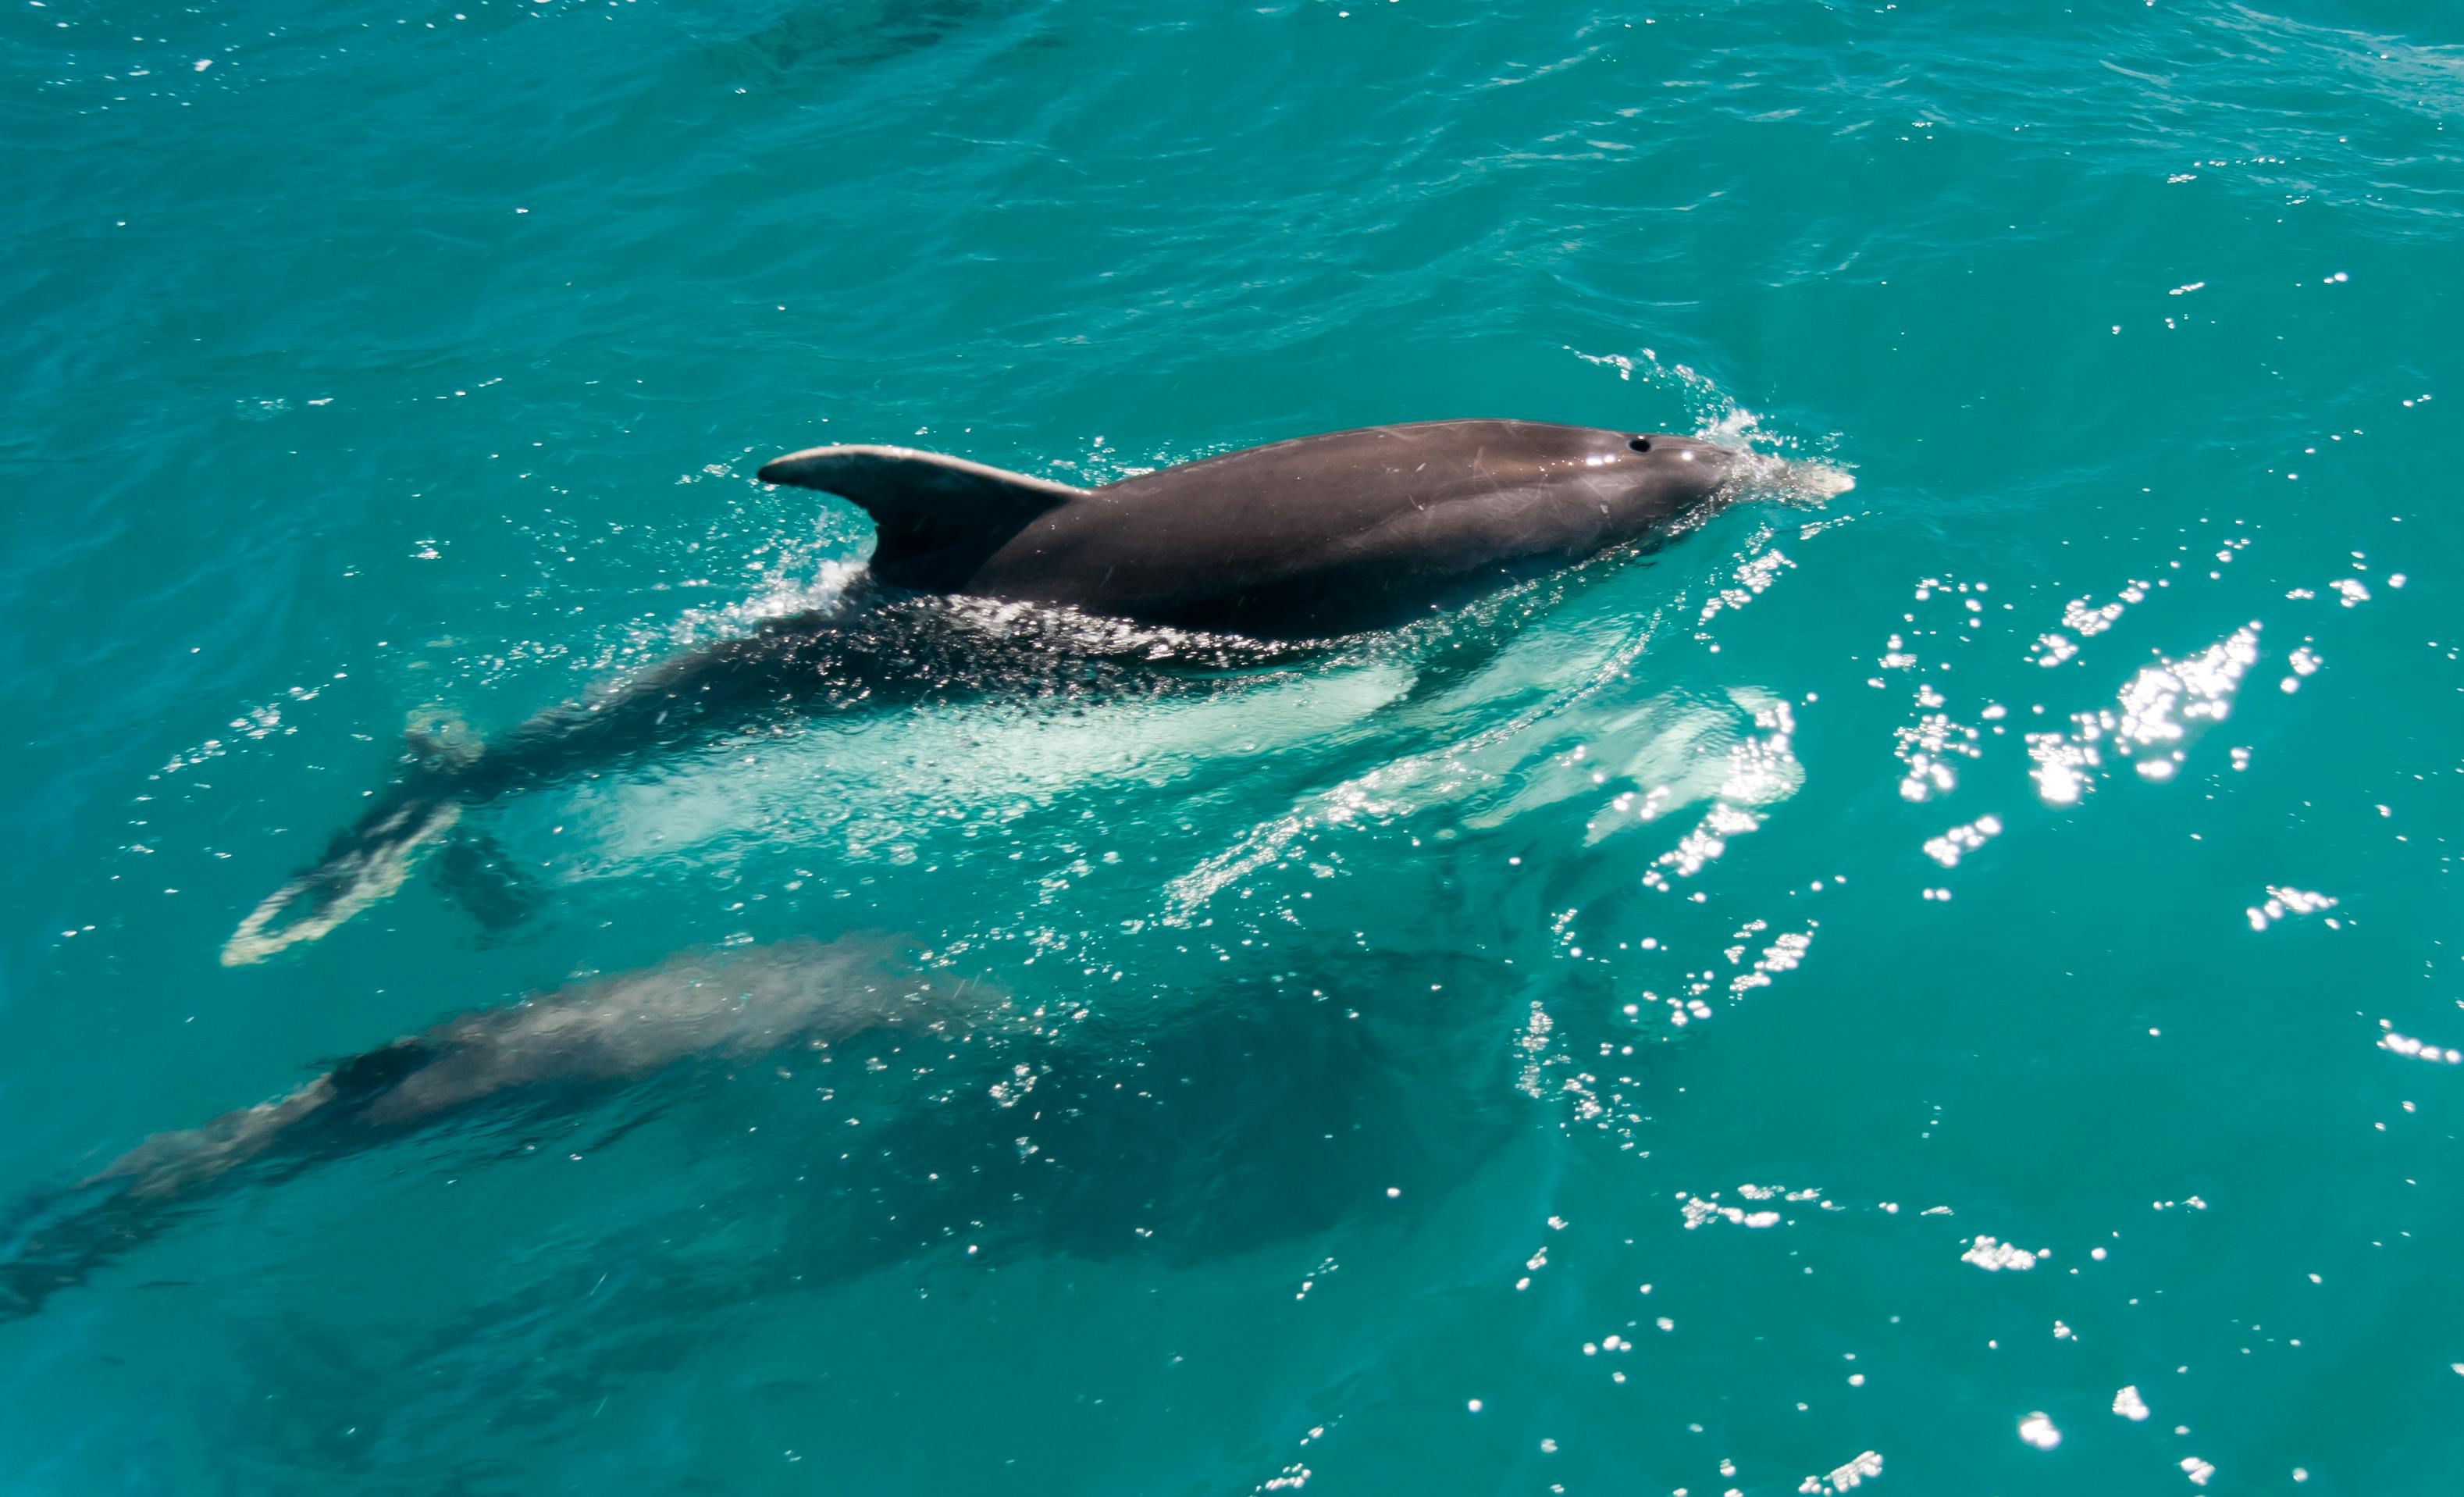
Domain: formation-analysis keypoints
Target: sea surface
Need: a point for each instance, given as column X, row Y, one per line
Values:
column 1952, row 987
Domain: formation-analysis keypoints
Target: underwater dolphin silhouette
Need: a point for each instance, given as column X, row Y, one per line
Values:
column 556, row 1049
column 987, row 581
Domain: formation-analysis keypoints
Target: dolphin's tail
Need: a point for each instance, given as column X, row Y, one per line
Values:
column 25, row 1281
column 51, row 1246
column 370, row 860
column 58, row 1236
column 364, row 864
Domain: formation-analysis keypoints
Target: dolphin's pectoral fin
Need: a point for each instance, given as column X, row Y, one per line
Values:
column 937, row 515
column 476, row 871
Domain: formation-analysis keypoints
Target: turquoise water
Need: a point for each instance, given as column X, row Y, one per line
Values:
column 1339, row 1130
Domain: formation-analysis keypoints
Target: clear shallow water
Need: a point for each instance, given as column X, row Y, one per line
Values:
column 405, row 362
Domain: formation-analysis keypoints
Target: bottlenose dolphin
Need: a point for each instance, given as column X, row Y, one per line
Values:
column 982, row 580
column 1316, row 537
column 558, row 1048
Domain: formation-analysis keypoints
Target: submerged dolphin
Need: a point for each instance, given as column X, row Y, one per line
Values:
column 1301, row 539
column 987, row 581
column 875, row 648
column 558, row 1047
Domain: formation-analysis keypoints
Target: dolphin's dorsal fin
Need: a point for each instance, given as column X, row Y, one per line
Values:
column 939, row 517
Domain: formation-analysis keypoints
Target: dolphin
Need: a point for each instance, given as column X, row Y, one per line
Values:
column 552, row 1050
column 1308, row 538
column 874, row 648
column 982, row 580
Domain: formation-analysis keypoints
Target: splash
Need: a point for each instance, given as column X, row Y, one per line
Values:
column 784, row 593
column 1771, row 466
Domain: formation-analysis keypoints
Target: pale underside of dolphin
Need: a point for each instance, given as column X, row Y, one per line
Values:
column 1241, row 556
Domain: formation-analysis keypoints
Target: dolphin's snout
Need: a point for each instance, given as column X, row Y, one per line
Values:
column 1734, row 473
column 1688, row 458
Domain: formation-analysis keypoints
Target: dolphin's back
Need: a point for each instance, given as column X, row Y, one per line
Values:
column 1309, row 537
column 1331, row 534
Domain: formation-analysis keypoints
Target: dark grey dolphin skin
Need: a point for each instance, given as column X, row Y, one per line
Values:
column 557, row 1050
column 1316, row 537
column 990, row 582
